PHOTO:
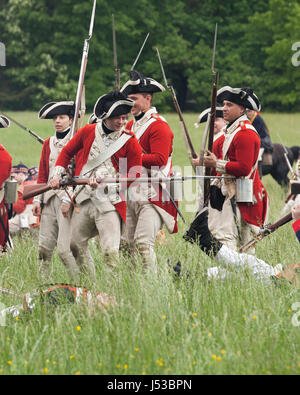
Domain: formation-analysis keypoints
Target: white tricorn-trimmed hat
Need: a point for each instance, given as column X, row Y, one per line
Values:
column 140, row 84
column 112, row 104
column 244, row 97
column 204, row 115
column 50, row 110
column 4, row 122
column 92, row 119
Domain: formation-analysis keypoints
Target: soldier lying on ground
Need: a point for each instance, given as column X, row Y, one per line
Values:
column 228, row 258
column 59, row 294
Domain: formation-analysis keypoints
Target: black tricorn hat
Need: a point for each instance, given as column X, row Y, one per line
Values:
column 112, row 104
column 50, row 110
column 140, row 84
column 204, row 115
column 4, row 122
column 244, row 97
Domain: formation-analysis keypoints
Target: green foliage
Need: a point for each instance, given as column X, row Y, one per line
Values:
column 44, row 41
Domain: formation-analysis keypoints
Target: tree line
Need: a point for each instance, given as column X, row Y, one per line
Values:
column 44, row 42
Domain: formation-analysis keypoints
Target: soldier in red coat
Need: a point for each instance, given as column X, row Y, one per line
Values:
column 149, row 209
column 102, row 149
column 5, row 169
column 240, row 153
column 53, row 206
column 23, row 217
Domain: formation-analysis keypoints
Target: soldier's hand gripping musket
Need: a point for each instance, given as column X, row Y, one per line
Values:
column 187, row 139
column 33, row 134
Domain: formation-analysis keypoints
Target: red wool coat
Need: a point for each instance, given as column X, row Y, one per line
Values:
column 157, row 146
column 242, row 154
column 80, row 146
column 44, row 163
column 5, row 169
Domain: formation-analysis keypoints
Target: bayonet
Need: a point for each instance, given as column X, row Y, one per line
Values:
column 82, row 72
column 139, row 54
column 117, row 70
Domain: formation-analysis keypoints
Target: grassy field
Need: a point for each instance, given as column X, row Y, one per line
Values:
column 161, row 325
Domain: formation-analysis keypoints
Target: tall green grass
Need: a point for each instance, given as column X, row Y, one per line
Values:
column 161, row 325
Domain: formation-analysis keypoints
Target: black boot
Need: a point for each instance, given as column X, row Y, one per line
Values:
column 200, row 234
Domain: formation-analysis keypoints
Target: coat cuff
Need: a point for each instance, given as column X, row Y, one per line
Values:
column 221, row 166
column 58, row 171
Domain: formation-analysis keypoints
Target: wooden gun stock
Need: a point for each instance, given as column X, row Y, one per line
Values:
column 36, row 189
column 30, row 191
column 270, row 228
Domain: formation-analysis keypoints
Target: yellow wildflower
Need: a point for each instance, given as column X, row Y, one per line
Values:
column 214, row 356
column 45, row 370
column 78, row 328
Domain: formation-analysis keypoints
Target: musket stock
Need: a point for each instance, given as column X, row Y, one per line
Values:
column 268, row 229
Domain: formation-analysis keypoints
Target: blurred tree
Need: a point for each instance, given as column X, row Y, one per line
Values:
column 44, row 41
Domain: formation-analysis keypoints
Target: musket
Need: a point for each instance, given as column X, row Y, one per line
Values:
column 117, row 70
column 186, row 136
column 140, row 51
column 266, row 230
column 32, row 190
column 286, row 157
column 82, row 107
column 82, row 73
column 36, row 136
column 212, row 116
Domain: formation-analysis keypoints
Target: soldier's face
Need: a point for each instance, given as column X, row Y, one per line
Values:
column 142, row 103
column 116, row 123
column 219, row 124
column 62, row 122
column 232, row 111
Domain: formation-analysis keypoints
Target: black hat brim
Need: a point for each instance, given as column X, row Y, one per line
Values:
column 50, row 110
column 238, row 96
column 4, row 122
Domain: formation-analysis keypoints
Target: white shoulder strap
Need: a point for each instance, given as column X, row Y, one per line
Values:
column 144, row 127
column 107, row 153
